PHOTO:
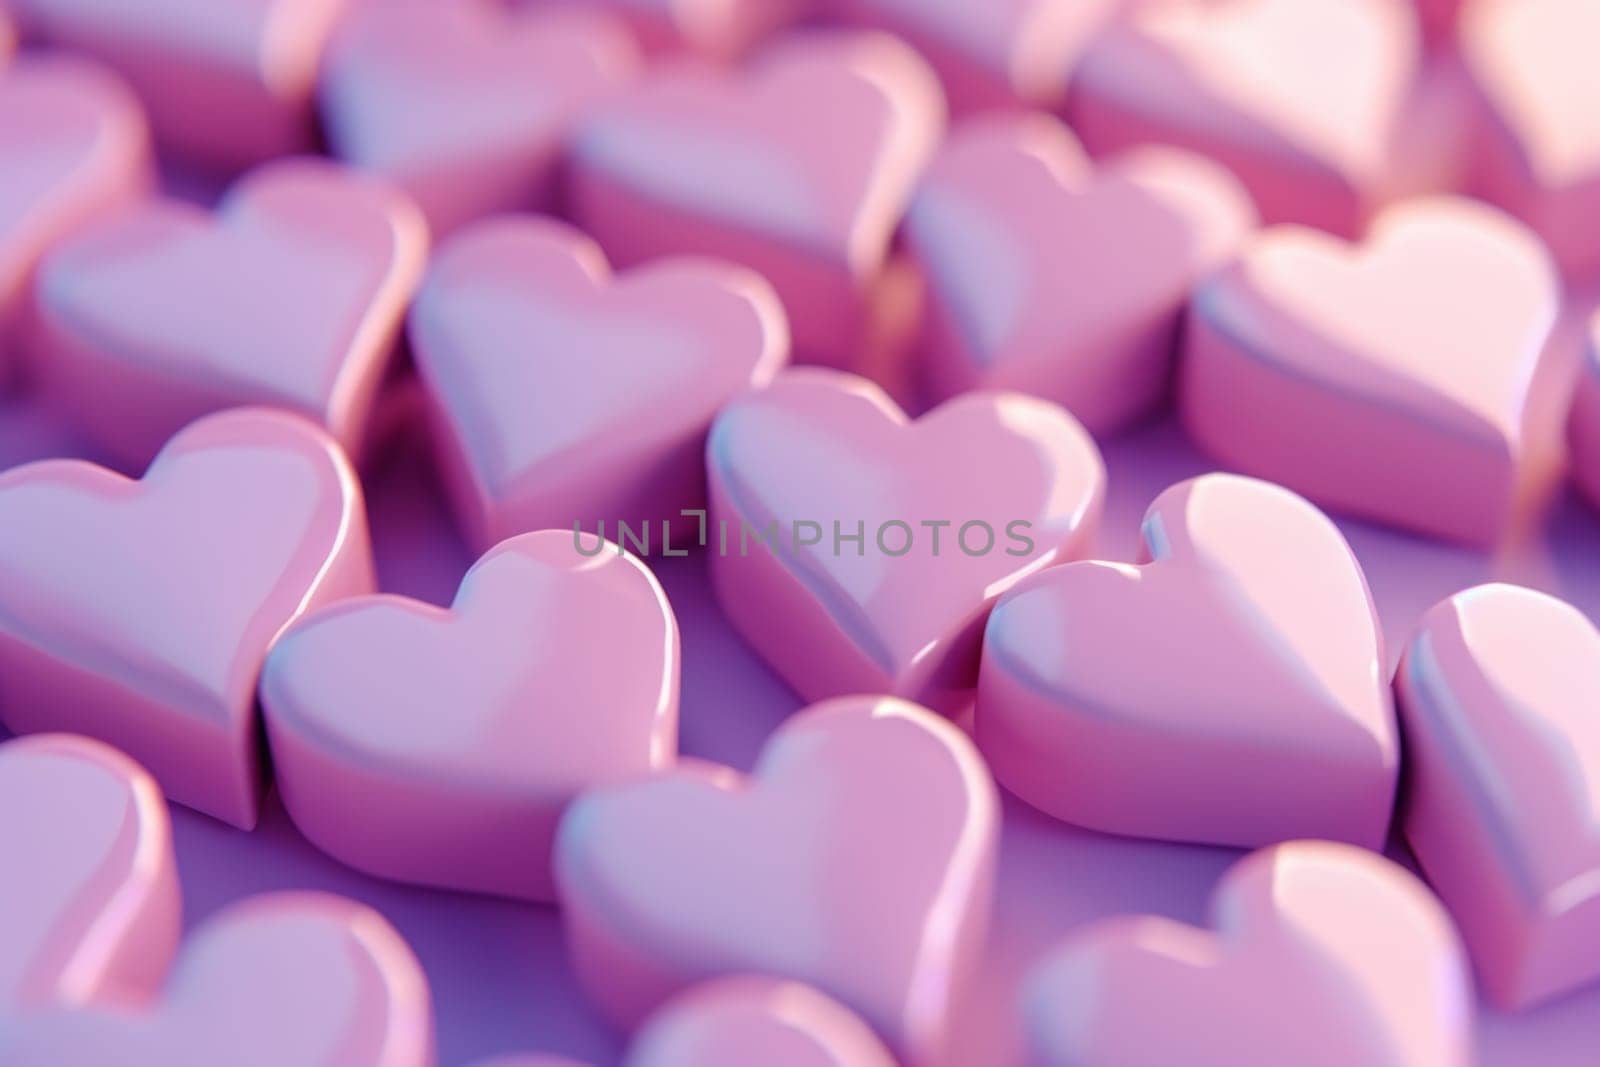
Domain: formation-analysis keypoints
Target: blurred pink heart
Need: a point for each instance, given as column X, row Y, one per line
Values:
column 227, row 82
column 1390, row 380
column 858, row 858
column 75, row 147
column 1499, row 691
column 1585, row 430
column 289, row 296
column 750, row 1020
column 859, row 551
column 720, row 29
column 1324, row 955
column 1111, row 695
column 1537, row 151
column 562, row 395
column 465, row 106
column 140, row 612
column 994, row 54
column 798, row 167
column 89, row 908
column 301, row 979
column 1055, row 279
column 1300, row 98
column 555, row 670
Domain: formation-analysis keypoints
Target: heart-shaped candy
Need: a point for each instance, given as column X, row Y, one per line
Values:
column 465, row 106
column 995, row 54
column 1048, row 277
column 1585, row 427
column 745, row 1020
column 1300, row 98
column 140, row 612
column 860, row 552
column 89, row 905
column 556, row 669
column 799, row 167
column 75, row 147
column 564, row 397
column 281, row 980
column 290, row 296
column 1500, row 696
column 719, row 29
column 859, row 858
column 1390, row 380
column 227, row 82
column 1537, row 150
column 1232, row 690
column 1323, row 955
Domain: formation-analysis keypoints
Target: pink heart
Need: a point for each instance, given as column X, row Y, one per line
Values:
column 227, row 82
column 1391, row 380
column 289, row 296
column 1300, row 98
column 140, row 612
column 859, row 858
column 281, row 980
column 995, row 54
column 1111, row 695
column 1324, row 955
column 1016, row 482
column 1537, row 150
column 719, row 29
column 555, row 670
column 1058, row 280
column 799, row 167
column 76, row 147
column 1585, row 431
column 1500, row 690
column 561, row 395
column 465, row 105
column 89, row 909
column 753, row 1020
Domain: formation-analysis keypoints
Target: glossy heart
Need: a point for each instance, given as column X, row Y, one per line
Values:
column 1322, row 955
column 139, row 612
column 798, row 167
column 1390, row 380
column 1585, row 427
column 1055, row 278
column 1537, row 151
column 1112, row 696
column 227, row 83
column 995, row 54
column 1500, row 690
column 859, row 552
column 1300, row 98
column 441, row 746
column 562, row 395
column 89, row 908
column 290, row 296
column 463, row 105
column 76, row 147
column 751, row 1020
column 303, row 979
column 858, row 858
